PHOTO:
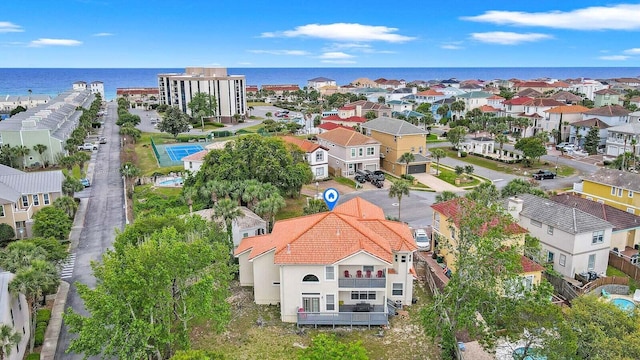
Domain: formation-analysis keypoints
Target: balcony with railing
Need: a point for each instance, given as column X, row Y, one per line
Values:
column 363, row 279
column 348, row 315
column 23, row 214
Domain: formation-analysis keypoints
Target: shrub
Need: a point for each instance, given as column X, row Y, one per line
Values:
column 43, row 315
column 33, row 356
column 6, row 233
column 407, row 177
column 39, row 336
column 463, row 154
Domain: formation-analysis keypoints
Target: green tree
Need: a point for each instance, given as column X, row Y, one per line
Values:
column 469, row 169
column 456, row 136
column 520, row 186
column 40, row 149
column 458, row 107
column 315, row 206
column 370, row 115
column 397, row 190
column 443, row 111
column 80, row 159
column 8, row 340
column 201, row 105
column 327, row 347
column 446, row 196
column 228, row 211
column 174, row 122
column 592, row 140
column 20, row 254
column 21, row 152
column 407, row 158
column 66, row 204
column 6, row 233
column 150, row 290
column 485, row 194
column 71, row 185
column 501, row 139
column 531, row 147
column 52, row 222
column 18, row 109
column 424, row 108
column 269, row 207
column 438, row 154
column 130, row 132
column 130, row 173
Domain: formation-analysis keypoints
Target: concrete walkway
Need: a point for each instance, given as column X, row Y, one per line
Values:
column 436, row 184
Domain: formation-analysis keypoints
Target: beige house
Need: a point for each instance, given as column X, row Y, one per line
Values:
column 349, row 151
column 23, row 194
column 342, row 267
column 396, row 138
column 362, row 107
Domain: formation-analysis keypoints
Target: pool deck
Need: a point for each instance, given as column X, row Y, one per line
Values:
column 168, row 178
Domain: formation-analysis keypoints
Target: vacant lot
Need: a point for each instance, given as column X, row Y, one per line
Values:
column 256, row 332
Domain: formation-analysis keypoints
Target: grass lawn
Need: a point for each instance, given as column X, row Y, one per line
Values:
column 611, row 271
column 515, row 169
column 294, row 208
column 345, row 181
column 450, row 176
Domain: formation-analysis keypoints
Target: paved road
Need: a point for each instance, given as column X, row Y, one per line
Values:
column 104, row 214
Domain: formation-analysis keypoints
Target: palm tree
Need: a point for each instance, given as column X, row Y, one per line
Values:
column 7, row 154
column 252, row 192
column 8, row 340
column 443, row 110
column 398, row 189
column 81, row 158
column 269, row 207
column 130, row 172
column 188, row 194
column 19, row 254
column 215, row 189
column 66, row 204
column 407, row 158
column 67, row 162
column 458, row 106
column 40, row 149
column 227, row 210
column 501, row 139
column 34, row 281
column 446, row 196
column 130, row 132
column 438, row 154
column 21, row 151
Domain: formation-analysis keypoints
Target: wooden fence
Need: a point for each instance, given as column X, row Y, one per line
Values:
column 623, row 264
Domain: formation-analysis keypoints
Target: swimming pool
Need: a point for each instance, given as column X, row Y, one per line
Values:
column 531, row 354
column 171, row 182
column 624, row 304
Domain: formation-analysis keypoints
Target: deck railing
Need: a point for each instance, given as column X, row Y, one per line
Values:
column 362, row 283
column 343, row 318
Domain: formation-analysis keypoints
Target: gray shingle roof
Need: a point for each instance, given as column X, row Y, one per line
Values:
column 617, row 178
column 631, row 128
column 621, row 220
column 392, row 126
column 560, row 216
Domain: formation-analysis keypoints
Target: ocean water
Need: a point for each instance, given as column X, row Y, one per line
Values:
column 18, row 81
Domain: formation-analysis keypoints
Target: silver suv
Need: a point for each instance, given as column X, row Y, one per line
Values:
column 422, row 239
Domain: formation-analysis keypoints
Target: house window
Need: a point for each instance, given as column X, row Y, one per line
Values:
column 371, row 151
column 366, row 268
column 363, row 295
column 396, row 258
column 25, row 201
column 331, row 302
column 453, row 233
column 310, row 278
column 360, row 152
column 630, row 193
column 329, row 273
column 527, row 282
column 319, row 156
column 319, row 172
column 190, row 165
column 46, row 199
column 244, row 235
column 311, row 302
column 397, row 289
column 549, row 257
column 619, row 192
column 1, row 210
column 36, row 199
column 613, row 190
column 403, row 258
column 592, row 262
column 597, row 237
column 550, row 230
column 629, row 210
column 353, row 152
column 563, row 260
column 536, row 223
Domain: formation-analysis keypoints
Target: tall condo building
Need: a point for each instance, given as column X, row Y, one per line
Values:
column 229, row 91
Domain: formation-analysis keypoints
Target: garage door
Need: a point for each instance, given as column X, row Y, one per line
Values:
column 612, row 150
column 370, row 167
column 416, row 169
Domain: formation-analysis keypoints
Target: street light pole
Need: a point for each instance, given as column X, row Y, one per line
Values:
column 317, row 189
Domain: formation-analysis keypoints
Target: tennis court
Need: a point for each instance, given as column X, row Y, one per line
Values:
column 177, row 152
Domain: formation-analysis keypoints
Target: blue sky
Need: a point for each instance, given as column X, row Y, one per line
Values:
column 327, row 33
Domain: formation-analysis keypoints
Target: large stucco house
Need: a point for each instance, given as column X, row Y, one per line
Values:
column 317, row 156
column 350, row 151
column 22, row 194
column 396, row 138
column 333, row 268
column 613, row 187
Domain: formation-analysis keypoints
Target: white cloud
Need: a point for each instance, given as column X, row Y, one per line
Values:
column 617, row 17
column 281, row 52
column 451, row 47
column 634, row 51
column 54, row 42
column 7, row 27
column 343, row 32
column 103, row 34
column 508, row 38
column 338, row 61
column 614, row 57
column 335, row 55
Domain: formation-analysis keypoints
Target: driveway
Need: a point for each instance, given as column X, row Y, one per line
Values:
column 104, row 214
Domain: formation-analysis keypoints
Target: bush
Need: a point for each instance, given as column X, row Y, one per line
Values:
column 39, row 336
column 43, row 315
column 407, row 177
column 6, row 233
column 33, row 356
column 463, row 154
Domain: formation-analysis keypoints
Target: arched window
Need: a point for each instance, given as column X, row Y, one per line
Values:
column 310, row 278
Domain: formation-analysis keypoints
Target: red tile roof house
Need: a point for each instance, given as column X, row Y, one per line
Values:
column 317, row 156
column 350, row 121
column 333, row 268
column 328, row 126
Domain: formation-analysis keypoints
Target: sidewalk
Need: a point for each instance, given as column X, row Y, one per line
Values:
column 436, row 184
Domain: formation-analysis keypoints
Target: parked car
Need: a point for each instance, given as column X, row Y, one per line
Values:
column 379, row 174
column 561, row 145
column 85, row 182
column 103, row 140
column 422, row 239
column 544, row 174
column 569, row 148
column 361, row 177
column 377, row 183
column 88, row 147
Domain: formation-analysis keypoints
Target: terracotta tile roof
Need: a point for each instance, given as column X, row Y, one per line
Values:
column 537, row 84
column 358, row 207
column 495, row 97
column 529, row 92
column 543, row 102
column 251, row 88
column 488, row 109
column 529, row 265
column 606, row 92
column 627, row 80
column 331, row 125
column 328, row 237
column 560, row 84
column 452, row 209
column 566, row 96
column 567, row 109
column 354, row 119
column 609, row 110
column 620, row 219
column 137, row 91
column 517, row 101
column 306, row 145
column 344, row 137
column 635, row 99
column 286, row 87
column 199, row 156
column 430, row 92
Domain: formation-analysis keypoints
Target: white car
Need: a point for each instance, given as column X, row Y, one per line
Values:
column 422, row 239
column 569, row 148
